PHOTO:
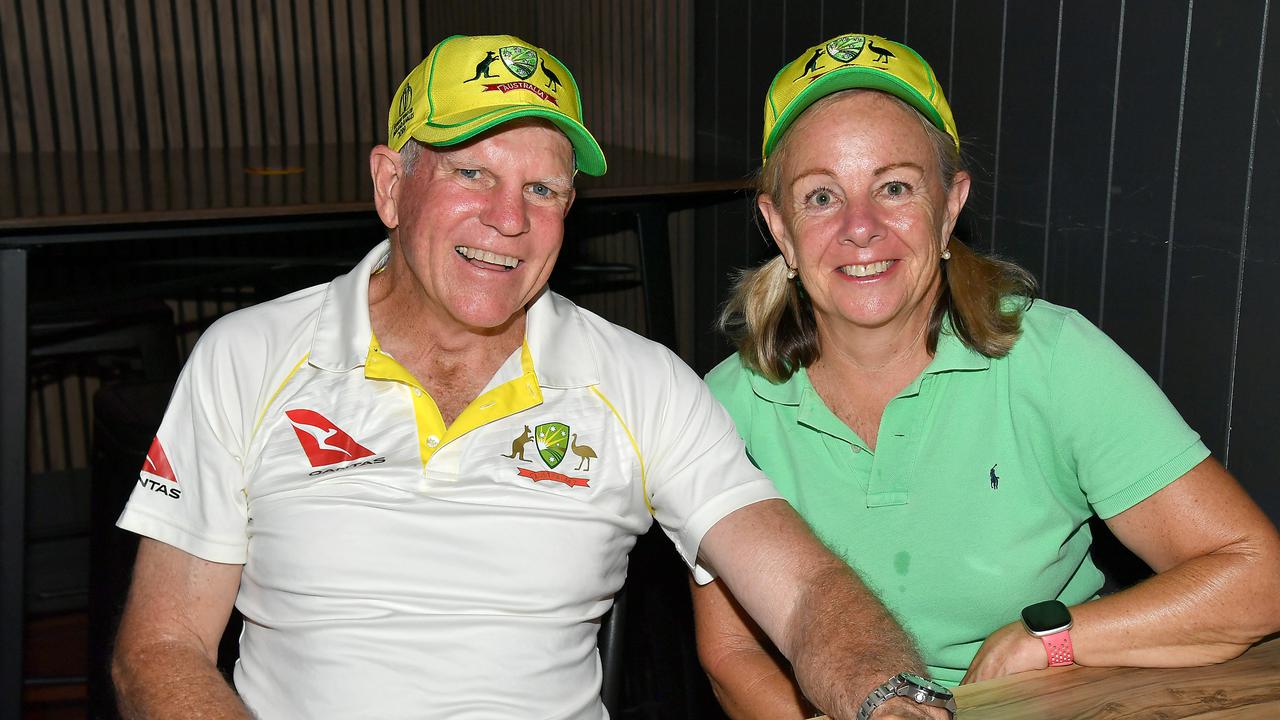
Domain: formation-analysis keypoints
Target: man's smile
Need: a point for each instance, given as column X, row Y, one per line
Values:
column 486, row 259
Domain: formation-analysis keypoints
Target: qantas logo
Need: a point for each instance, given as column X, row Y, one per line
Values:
column 322, row 441
column 157, row 473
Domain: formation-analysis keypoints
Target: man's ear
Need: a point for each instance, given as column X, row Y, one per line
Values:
column 387, row 170
column 573, row 195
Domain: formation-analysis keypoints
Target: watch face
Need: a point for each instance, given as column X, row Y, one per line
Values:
column 1046, row 618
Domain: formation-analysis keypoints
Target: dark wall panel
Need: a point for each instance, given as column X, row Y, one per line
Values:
column 974, row 92
column 1150, row 86
column 1082, row 150
column 1027, row 118
column 1209, row 222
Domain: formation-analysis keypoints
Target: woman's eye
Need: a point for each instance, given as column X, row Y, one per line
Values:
column 469, row 173
column 897, row 189
column 820, row 197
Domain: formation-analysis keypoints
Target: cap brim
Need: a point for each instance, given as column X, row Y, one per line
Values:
column 587, row 153
column 847, row 79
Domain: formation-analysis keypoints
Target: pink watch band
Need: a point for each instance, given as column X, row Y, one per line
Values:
column 1058, row 647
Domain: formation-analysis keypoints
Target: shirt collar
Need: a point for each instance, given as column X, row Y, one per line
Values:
column 952, row 355
column 556, row 332
column 343, row 332
column 555, row 329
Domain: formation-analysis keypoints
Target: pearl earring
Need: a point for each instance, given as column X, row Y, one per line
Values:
column 946, row 254
column 791, row 273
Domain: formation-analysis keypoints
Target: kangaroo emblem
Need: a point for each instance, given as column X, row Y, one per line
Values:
column 553, row 82
column 812, row 65
column 882, row 54
column 517, row 445
column 482, row 67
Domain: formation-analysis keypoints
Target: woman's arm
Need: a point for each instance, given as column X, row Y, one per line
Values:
column 1216, row 591
column 750, row 677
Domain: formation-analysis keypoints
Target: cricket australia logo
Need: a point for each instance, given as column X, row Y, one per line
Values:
column 521, row 61
column 553, row 441
column 846, row 47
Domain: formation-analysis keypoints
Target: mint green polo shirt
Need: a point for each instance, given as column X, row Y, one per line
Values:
column 975, row 501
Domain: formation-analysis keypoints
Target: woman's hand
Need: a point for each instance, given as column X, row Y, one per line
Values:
column 1009, row 650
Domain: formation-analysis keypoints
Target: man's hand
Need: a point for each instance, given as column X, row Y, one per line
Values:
column 1009, row 650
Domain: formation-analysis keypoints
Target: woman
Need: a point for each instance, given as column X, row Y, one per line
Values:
column 946, row 433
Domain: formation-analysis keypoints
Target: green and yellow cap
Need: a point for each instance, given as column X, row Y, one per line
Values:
column 467, row 85
column 854, row 61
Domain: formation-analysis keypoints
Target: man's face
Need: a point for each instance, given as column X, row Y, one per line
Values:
column 480, row 224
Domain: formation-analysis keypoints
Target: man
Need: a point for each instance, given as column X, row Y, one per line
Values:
column 375, row 470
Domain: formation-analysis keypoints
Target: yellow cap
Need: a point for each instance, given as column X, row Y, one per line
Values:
column 854, row 61
column 467, row 85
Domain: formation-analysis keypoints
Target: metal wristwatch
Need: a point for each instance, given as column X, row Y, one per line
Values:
column 912, row 687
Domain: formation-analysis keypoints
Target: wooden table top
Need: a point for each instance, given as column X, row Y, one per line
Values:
column 1247, row 688
column 47, row 191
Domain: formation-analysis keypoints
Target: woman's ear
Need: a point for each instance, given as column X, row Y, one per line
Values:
column 777, row 227
column 956, row 199
column 387, row 170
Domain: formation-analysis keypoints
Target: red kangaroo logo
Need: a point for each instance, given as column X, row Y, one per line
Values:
column 324, row 442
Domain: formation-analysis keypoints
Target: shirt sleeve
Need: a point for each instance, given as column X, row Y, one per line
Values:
column 190, row 490
column 696, row 464
column 1116, row 428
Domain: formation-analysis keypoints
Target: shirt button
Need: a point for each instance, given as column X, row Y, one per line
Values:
column 417, row 392
column 856, row 449
column 432, row 441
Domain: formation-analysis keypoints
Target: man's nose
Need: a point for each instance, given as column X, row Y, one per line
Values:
column 507, row 211
column 861, row 224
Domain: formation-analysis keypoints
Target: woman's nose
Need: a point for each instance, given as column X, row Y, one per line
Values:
column 862, row 225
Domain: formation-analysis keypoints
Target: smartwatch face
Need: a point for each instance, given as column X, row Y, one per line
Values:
column 1046, row 618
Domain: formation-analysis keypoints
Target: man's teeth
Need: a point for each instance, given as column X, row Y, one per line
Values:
column 869, row 269
column 486, row 256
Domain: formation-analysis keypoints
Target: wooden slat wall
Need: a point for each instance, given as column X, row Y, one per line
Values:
column 171, row 74
column 1125, row 152
column 153, row 78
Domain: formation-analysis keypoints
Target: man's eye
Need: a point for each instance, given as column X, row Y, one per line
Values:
column 541, row 190
column 469, row 173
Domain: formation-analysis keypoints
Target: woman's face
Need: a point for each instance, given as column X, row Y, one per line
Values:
column 862, row 213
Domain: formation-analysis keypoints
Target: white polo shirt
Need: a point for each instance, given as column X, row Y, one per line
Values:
column 397, row 568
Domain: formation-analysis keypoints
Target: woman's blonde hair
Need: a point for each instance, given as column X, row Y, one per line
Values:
column 770, row 319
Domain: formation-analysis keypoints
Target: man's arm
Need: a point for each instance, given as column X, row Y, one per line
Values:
column 165, row 660
column 839, row 638
column 750, row 678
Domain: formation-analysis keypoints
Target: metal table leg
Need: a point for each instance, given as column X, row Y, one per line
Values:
column 13, row 473
column 656, row 273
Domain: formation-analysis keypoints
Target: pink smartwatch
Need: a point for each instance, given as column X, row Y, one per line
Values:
column 1051, row 622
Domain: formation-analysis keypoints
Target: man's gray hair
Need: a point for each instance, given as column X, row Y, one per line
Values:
column 409, row 156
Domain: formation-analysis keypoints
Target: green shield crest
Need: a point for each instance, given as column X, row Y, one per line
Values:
column 846, row 47
column 552, row 441
column 521, row 61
